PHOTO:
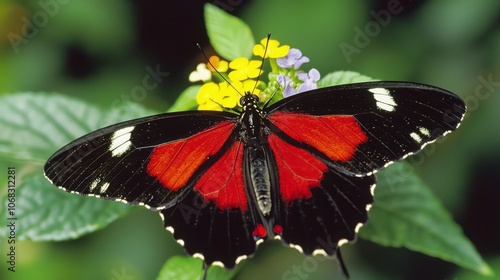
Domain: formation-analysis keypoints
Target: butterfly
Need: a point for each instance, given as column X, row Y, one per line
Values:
column 301, row 170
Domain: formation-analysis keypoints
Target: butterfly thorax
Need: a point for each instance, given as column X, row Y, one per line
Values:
column 254, row 136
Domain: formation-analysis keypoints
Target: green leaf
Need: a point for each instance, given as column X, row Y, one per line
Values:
column 187, row 268
column 186, row 100
column 45, row 212
column 229, row 35
column 406, row 213
column 35, row 125
column 342, row 77
column 494, row 262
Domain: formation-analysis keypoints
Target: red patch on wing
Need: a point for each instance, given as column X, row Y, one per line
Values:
column 259, row 232
column 335, row 136
column 278, row 229
column 298, row 170
column 222, row 183
column 175, row 162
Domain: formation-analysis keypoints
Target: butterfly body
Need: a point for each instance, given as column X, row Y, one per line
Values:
column 301, row 170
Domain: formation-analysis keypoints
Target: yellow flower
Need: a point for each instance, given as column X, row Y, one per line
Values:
column 216, row 97
column 219, row 64
column 246, row 86
column 244, row 69
column 200, row 74
column 207, row 97
column 273, row 51
column 220, row 96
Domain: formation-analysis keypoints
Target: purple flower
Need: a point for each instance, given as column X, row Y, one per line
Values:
column 293, row 59
column 309, row 80
column 284, row 81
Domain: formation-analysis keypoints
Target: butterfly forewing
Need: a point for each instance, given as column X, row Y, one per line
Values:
column 115, row 162
column 396, row 118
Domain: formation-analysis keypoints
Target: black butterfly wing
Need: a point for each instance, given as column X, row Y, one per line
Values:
column 218, row 219
column 187, row 165
column 325, row 145
column 332, row 140
column 113, row 162
column 316, row 208
column 396, row 118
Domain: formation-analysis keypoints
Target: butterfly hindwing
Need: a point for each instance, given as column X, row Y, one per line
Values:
column 319, row 207
column 216, row 221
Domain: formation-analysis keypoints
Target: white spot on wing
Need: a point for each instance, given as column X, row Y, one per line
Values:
column 424, row 131
column 94, row 183
column 104, row 187
column 198, row 255
column 120, row 141
column 218, row 263
column 240, row 258
column 385, row 107
column 319, row 252
column 297, row 247
column 416, row 137
column 372, row 189
column 381, row 91
column 384, row 99
column 342, row 242
column 358, row 226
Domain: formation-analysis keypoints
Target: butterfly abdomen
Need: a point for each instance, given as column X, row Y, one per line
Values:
column 253, row 134
column 260, row 179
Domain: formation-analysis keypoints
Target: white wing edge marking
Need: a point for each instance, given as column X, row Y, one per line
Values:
column 200, row 255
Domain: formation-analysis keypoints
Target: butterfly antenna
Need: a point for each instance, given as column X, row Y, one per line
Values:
column 263, row 57
column 215, row 69
column 270, row 98
column 341, row 263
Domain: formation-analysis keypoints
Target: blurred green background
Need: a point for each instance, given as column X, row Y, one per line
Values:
column 98, row 51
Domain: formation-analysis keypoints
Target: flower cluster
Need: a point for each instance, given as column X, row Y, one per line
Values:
column 225, row 82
